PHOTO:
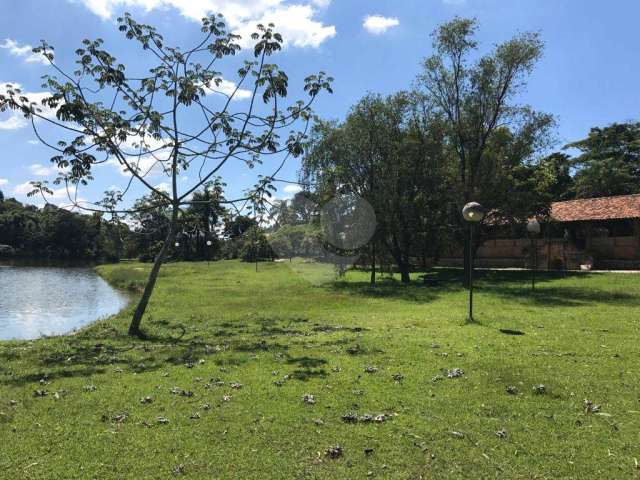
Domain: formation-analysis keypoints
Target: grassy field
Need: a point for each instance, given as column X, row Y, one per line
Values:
column 217, row 392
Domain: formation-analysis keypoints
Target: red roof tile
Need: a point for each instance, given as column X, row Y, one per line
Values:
column 603, row 208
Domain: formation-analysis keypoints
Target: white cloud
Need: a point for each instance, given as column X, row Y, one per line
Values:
column 33, row 142
column 377, row 24
column 3, row 181
column 227, row 87
column 41, row 170
column 58, row 193
column 292, row 188
column 24, row 51
column 15, row 120
column 163, row 187
column 145, row 153
column 23, row 188
column 295, row 21
column 145, row 165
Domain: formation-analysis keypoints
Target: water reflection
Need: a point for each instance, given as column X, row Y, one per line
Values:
column 36, row 301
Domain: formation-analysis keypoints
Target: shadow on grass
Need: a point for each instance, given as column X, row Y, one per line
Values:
column 564, row 296
column 106, row 349
column 513, row 285
column 388, row 289
column 308, row 367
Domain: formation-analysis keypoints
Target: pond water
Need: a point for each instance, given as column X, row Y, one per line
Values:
column 37, row 301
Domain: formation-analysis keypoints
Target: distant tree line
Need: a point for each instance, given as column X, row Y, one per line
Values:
column 53, row 232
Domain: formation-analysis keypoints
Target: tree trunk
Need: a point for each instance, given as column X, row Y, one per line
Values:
column 404, row 273
column 401, row 261
column 134, row 327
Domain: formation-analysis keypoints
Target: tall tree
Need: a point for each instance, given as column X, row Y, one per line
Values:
column 476, row 96
column 609, row 163
column 141, row 121
column 389, row 151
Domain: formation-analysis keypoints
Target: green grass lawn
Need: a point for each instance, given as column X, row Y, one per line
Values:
column 233, row 352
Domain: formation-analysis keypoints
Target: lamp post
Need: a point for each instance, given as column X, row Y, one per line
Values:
column 533, row 227
column 472, row 213
column 208, row 252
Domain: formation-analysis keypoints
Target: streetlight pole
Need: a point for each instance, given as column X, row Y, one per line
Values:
column 470, row 272
column 208, row 252
column 533, row 227
column 472, row 213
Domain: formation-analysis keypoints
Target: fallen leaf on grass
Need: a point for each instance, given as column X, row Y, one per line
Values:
column 365, row 418
column 590, row 407
column 334, row 451
column 539, row 389
column 350, row 418
column 181, row 392
column 120, row 417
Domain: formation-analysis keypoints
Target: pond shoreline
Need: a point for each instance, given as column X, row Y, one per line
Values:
column 54, row 300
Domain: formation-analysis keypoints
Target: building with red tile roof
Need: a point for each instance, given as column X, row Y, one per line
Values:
column 603, row 233
column 595, row 209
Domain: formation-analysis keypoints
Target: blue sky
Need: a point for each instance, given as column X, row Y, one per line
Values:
column 588, row 76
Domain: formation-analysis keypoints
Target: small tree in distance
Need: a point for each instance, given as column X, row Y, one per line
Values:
column 142, row 122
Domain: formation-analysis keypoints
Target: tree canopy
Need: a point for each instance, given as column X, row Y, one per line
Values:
column 609, row 161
